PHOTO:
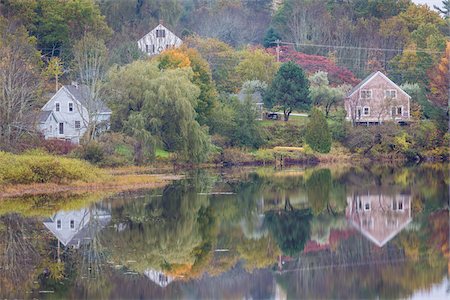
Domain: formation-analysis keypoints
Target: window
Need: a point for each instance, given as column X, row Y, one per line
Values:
column 397, row 110
column 146, row 48
column 160, row 33
column 58, row 224
column 367, row 206
column 366, row 94
column 400, row 205
column 70, row 107
column 359, row 112
column 57, row 106
column 366, row 111
column 391, row 94
column 153, row 48
column 61, row 128
column 72, row 224
column 77, row 124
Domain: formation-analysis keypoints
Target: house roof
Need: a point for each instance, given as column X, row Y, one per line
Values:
column 43, row 115
column 369, row 78
column 359, row 85
column 81, row 93
column 159, row 26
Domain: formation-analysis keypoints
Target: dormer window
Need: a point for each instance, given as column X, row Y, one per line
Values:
column 57, row 106
column 58, row 224
column 70, row 107
column 160, row 33
column 392, row 94
column 366, row 94
column 72, row 224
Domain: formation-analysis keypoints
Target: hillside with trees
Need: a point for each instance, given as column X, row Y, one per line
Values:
column 195, row 104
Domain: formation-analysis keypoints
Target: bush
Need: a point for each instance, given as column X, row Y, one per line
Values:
column 40, row 167
column 318, row 135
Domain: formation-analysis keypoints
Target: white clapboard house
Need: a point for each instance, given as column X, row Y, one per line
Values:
column 66, row 115
column 158, row 40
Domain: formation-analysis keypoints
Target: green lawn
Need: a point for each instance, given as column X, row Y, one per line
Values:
column 160, row 153
column 295, row 120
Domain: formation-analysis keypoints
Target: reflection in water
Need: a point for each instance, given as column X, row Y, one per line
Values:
column 260, row 234
column 71, row 227
column 379, row 217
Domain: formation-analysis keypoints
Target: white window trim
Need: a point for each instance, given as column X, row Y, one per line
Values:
column 60, row 222
column 357, row 109
column 57, row 106
column 363, row 111
column 75, row 124
column 396, row 110
column 364, row 90
column 68, row 107
column 391, row 90
column 364, row 207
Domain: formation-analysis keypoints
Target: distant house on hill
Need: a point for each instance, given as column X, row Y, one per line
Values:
column 255, row 98
column 158, row 40
column 377, row 99
column 66, row 114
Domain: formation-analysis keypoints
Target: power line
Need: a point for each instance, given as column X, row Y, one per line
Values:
column 430, row 51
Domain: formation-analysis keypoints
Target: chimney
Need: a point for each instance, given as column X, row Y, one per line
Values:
column 75, row 84
column 161, row 21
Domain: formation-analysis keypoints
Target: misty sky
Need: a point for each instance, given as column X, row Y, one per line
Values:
column 429, row 2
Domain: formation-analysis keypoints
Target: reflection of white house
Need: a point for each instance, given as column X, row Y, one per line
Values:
column 379, row 217
column 73, row 228
column 66, row 114
column 158, row 277
column 158, row 40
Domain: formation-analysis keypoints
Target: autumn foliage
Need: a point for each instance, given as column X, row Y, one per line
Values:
column 439, row 81
column 313, row 63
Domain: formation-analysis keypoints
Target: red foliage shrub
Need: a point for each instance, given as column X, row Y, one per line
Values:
column 313, row 63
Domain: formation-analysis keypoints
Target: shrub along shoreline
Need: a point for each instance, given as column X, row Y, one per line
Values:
column 35, row 173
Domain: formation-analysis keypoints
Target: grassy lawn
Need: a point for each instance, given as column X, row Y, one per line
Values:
column 161, row 153
column 294, row 120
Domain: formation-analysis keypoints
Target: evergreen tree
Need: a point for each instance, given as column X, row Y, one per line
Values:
column 318, row 135
column 289, row 90
column 271, row 37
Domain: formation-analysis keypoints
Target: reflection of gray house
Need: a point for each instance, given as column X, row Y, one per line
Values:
column 158, row 40
column 255, row 98
column 158, row 277
column 73, row 228
column 379, row 217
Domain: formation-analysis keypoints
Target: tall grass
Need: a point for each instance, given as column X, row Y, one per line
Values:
column 39, row 167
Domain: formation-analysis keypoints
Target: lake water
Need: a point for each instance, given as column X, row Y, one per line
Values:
column 322, row 232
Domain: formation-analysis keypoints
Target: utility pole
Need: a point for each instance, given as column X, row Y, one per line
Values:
column 278, row 50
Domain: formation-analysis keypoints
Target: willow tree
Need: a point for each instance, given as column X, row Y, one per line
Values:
column 166, row 101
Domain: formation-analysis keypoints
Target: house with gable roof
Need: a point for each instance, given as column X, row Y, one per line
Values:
column 158, row 40
column 66, row 114
column 377, row 99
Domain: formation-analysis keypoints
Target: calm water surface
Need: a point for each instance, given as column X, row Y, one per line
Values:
column 322, row 232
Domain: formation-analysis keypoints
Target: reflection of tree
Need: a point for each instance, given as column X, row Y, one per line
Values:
column 258, row 254
column 171, row 233
column 18, row 255
column 290, row 228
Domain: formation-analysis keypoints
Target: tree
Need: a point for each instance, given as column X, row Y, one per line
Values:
column 54, row 70
column 19, row 82
column 290, row 228
column 91, row 62
column 439, row 81
column 322, row 94
column 256, row 64
column 185, row 57
column 222, row 60
column 246, row 131
column 165, row 100
column 271, row 37
column 289, row 90
column 318, row 135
